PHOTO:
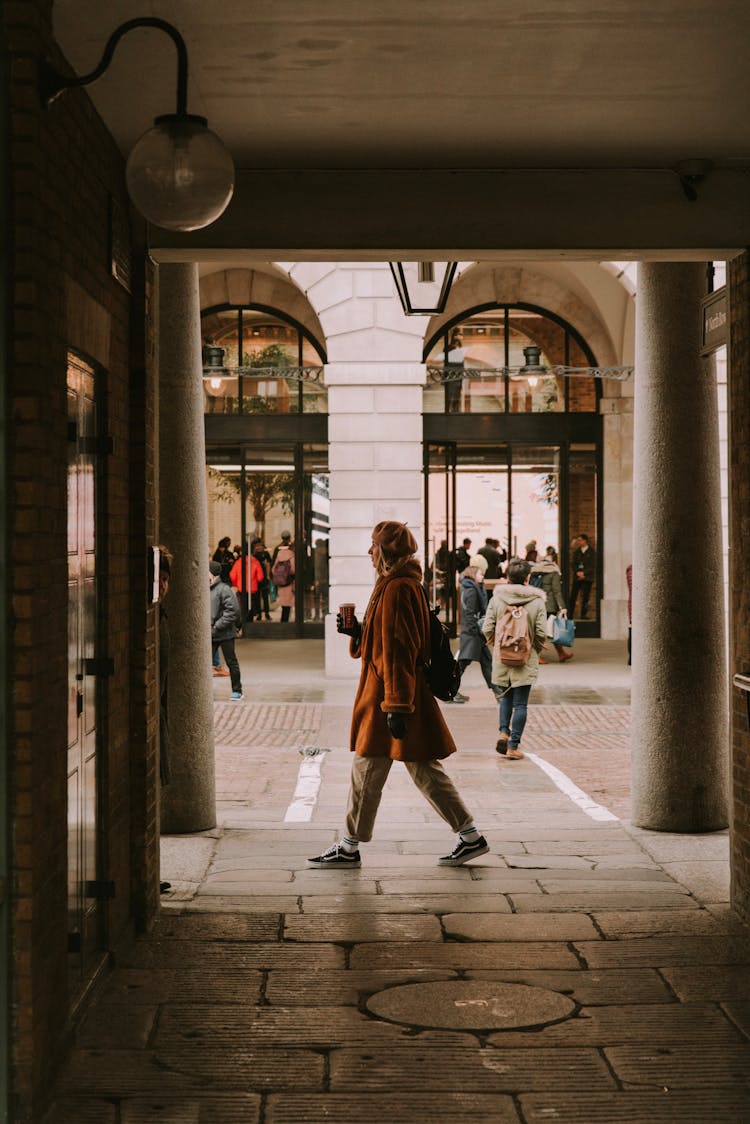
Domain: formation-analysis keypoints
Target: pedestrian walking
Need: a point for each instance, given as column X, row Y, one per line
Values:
column 225, row 621
column 472, row 644
column 396, row 717
column 551, row 586
column 515, row 681
column 283, row 569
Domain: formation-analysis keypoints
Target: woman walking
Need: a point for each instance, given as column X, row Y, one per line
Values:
column 473, row 645
column 552, row 589
column 395, row 716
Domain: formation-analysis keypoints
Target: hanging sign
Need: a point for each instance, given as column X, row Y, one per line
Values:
column 714, row 321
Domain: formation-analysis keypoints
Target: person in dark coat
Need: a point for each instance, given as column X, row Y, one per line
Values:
column 225, row 621
column 584, row 575
column 396, row 717
column 473, row 645
column 494, row 558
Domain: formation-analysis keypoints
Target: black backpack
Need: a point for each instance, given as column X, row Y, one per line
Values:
column 443, row 672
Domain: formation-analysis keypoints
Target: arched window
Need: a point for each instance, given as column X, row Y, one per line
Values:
column 259, row 360
column 509, row 359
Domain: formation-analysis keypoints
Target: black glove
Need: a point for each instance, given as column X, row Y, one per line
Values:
column 397, row 725
column 355, row 631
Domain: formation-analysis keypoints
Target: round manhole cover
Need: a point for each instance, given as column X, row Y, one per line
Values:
column 471, row 1005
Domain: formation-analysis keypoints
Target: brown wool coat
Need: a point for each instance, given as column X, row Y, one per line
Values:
column 394, row 644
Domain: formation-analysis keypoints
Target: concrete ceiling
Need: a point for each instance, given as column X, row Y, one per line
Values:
column 433, row 83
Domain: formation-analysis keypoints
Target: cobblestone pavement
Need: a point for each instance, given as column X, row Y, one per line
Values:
column 581, row 971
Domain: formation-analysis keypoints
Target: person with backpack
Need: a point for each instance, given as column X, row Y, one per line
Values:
column 282, row 574
column 515, row 625
column 225, row 621
column 396, row 716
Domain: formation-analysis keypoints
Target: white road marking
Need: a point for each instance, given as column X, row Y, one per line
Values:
column 576, row 794
column 305, row 794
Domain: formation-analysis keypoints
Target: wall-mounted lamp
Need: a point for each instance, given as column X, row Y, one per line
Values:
column 427, row 302
column 179, row 174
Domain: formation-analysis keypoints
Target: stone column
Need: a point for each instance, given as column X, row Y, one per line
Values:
column 679, row 735
column 375, row 458
column 188, row 801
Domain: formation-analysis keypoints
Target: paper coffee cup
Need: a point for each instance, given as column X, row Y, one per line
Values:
column 347, row 613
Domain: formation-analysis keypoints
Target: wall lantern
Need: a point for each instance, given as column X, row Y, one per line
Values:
column 179, row 174
column 428, row 296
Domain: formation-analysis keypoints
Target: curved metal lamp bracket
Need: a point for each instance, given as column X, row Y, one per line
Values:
column 52, row 83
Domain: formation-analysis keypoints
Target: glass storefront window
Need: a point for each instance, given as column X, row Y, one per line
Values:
column 582, row 518
column 474, row 366
column 246, row 354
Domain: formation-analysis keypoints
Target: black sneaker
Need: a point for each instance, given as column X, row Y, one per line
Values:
column 336, row 856
column 465, row 851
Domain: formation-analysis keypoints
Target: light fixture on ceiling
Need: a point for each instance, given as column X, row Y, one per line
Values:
column 427, row 301
column 179, row 174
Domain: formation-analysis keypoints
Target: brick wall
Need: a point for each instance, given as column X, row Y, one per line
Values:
column 739, row 607
column 65, row 168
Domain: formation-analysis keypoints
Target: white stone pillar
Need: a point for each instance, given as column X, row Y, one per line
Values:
column 679, row 736
column 375, row 462
column 188, row 801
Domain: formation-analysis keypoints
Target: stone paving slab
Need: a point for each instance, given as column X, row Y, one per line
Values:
column 696, row 1107
column 401, row 903
column 548, row 862
column 230, row 957
column 85, row 1110
column 569, row 881
column 460, row 880
column 154, row 986
column 520, row 927
column 242, row 1108
column 322, row 988
column 231, row 903
column 129, row 1029
column 611, row 882
column 665, row 951
column 121, row 1072
column 739, row 1013
column 661, row 922
column 596, row 900
column 708, row 982
column 475, row 1070
column 190, row 926
column 683, row 1067
column 466, row 1107
column 236, row 1068
column 464, row 955
column 636, row 985
column 362, row 927
column 212, row 1031
column 247, row 873
column 665, row 1024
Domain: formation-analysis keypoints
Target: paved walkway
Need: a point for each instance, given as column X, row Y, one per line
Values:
column 582, row 971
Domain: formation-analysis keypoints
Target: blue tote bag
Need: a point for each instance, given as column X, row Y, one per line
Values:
column 563, row 632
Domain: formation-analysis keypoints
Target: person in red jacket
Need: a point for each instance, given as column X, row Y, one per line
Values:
column 254, row 575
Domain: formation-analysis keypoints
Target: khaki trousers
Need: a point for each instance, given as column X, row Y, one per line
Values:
column 369, row 775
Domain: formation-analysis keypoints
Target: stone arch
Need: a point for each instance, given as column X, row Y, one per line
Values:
column 511, row 284
column 268, row 288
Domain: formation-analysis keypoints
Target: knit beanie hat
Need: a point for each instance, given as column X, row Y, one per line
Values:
column 215, row 568
column 480, row 562
column 394, row 538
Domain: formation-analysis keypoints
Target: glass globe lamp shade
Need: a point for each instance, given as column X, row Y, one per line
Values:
column 179, row 174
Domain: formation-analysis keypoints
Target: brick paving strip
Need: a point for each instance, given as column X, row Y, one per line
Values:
column 248, row 1003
